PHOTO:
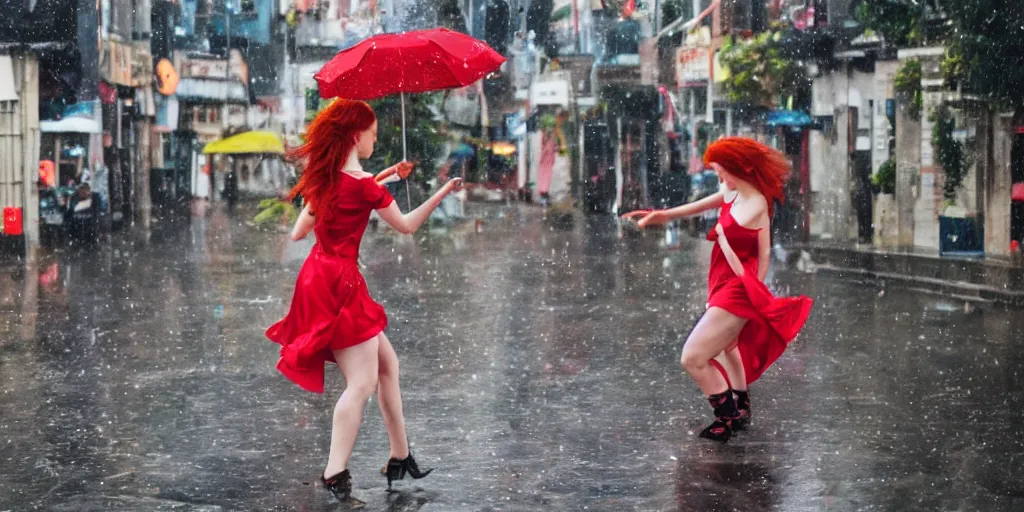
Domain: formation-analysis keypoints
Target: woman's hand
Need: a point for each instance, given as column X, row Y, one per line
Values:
column 655, row 218
column 404, row 169
column 648, row 217
column 634, row 214
column 453, row 185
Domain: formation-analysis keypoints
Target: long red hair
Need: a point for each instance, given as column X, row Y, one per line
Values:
column 761, row 166
column 330, row 138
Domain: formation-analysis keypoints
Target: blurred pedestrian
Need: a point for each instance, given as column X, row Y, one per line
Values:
column 82, row 216
column 231, row 187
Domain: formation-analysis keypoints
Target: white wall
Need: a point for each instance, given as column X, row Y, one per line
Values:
column 885, row 71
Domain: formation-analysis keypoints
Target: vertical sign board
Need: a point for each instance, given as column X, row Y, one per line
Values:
column 693, row 66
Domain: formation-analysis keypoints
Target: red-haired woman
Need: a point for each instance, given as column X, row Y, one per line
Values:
column 744, row 329
column 332, row 317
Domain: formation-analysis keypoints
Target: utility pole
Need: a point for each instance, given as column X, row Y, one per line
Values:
column 227, row 33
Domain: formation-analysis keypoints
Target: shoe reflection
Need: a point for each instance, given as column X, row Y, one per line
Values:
column 725, row 479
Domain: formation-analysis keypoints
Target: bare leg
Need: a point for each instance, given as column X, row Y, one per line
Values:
column 359, row 364
column 715, row 331
column 733, row 364
column 389, row 395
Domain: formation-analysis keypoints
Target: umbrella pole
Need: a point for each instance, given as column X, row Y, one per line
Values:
column 405, row 156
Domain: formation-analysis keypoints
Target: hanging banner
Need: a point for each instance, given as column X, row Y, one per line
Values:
column 116, row 63
column 693, row 59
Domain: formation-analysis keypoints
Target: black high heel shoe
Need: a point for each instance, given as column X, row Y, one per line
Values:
column 725, row 414
column 396, row 469
column 340, row 486
column 743, row 407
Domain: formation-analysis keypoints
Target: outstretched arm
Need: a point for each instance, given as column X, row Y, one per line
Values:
column 687, row 210
column 304, row 224
column 410, row 222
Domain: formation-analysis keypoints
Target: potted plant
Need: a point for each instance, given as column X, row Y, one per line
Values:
column 885, row 219
column 957, row 232
column 276, row 212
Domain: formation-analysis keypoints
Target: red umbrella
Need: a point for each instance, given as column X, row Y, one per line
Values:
column 416, row 61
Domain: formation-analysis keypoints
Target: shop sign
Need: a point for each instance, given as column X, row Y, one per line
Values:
column 200, row 67
column 116, row 63
column 693, row 65
column 551, row 92
column 142, row 65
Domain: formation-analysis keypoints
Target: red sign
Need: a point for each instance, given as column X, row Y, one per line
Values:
column 693, row 65
column 12, row 221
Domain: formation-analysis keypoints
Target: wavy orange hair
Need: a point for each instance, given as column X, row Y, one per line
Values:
column 330, row 138
column 761, row 166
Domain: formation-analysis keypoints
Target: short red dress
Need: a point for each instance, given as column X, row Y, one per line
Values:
column 772, row 322
column 331, row 307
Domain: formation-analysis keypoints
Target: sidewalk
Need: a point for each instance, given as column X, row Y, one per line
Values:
column 990, row 279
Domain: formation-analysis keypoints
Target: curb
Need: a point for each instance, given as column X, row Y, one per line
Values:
column 969, row 279
column 958, row 290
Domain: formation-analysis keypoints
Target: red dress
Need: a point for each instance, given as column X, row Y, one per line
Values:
column 331, row 307
column 772, row 322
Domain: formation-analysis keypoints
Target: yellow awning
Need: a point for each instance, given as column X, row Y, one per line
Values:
column 248, row 142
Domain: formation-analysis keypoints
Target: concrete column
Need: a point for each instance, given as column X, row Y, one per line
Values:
column 908, row 172
column 143, row 202
column 28, row 104
column 928, row 204
column 997, row 188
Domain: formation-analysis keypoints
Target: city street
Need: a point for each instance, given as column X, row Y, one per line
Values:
column 540, row 371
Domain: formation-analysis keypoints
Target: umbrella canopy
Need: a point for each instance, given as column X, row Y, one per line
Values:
column 561, row 13
column 408, row 62
column 788, row 118
column 248, row 142
column 463, row 150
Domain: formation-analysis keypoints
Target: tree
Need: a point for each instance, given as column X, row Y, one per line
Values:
column 897, row 21
column 759, row 72
column 425, row 141
column 498, row 25
column 538, row 19
column 984, row 40
column 986, row 49
column 672, row 10
column 449, row 15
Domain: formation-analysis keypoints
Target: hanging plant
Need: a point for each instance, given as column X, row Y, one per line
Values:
column 758, row 72
column 953, row 65
column 907, row 83
column 950, row 153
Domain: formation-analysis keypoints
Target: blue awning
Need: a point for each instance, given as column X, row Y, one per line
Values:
column 788, row 118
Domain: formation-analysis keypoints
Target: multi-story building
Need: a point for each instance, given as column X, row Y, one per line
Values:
column 94, row 71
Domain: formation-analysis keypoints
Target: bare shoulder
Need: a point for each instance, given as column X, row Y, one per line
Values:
column 359, row 175
column 752, row 211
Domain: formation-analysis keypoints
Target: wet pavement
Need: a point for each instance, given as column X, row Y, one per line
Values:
column 540, row 372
